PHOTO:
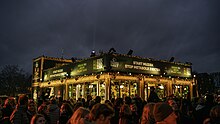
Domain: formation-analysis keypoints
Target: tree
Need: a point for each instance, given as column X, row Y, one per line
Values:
column 14, row 80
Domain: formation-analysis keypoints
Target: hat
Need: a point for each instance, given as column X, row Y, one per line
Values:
column 161, row 111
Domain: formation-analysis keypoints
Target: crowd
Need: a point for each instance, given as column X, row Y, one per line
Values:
column 171, row 110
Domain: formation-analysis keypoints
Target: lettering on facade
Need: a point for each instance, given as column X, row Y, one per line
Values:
column 57, row 73
column 142, row 66
column 36, row 72
column 81, row 68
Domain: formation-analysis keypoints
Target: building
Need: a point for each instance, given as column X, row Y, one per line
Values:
column 111, row 75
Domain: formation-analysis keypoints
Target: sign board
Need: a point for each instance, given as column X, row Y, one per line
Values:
column 119, row 63
column 148, row 66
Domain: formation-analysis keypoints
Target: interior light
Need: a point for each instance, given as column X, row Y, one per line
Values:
column 161, row 87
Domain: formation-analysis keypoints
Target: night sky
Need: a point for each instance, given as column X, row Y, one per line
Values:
column 188, row 30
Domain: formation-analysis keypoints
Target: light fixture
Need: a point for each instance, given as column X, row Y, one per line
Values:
column 161, row 87
column 112, row 50
column 98, row 76
column 130, row 52
column 91, row 86
column 171, row 59
column 93, row 53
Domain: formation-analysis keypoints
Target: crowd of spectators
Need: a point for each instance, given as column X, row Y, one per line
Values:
column 171, row 110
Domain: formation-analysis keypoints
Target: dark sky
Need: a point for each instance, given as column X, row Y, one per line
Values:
column 189, row 30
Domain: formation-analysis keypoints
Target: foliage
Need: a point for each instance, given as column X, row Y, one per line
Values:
column 14, row 80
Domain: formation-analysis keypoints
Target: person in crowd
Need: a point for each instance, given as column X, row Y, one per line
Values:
column 80, row 116
column 139, row 103
column 164, row 114
column 218, row 100
column 109, row 103
column 32, row 109
column 42, row 109
column 153, row 97
column 128, row 100
column 134, row 111
column 182, row 118
column 117, row 105
column 147, row 115
column 66, row 112
column 7, row 109
column 89, row 98
column 53, row 112
column 203, row 113
column 38, row 119
column 101, row 114
column 77, row 105
column 186, row 110
column 125, row 115
column 19, row 115
column 214, row 116
column 83, row 102
column 200, row 104
column 112, row 100
column 98, row 99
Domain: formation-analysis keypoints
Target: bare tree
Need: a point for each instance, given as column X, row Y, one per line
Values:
column 14, row 80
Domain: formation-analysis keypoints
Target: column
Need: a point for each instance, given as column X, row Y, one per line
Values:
column 67, row 90
column 107, row 88
column 141, row 87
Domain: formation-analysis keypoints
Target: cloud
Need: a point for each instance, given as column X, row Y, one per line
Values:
column 187, row 30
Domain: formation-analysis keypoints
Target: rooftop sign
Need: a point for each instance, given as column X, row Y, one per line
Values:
column 119, row 63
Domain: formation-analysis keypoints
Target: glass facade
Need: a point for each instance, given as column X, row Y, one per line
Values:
column 121, row 89
column 180, row 90
column 160, row 89
column 82, row 90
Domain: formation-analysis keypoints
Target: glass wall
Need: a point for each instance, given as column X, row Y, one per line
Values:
column 88, row 88
column 180, row 90
column 160, row 89
column 102, row 90
column 121, row 89
column 72, row 91
column 91, row 89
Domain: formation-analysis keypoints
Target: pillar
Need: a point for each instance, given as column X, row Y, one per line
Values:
column 107, row 88
column 141, row 88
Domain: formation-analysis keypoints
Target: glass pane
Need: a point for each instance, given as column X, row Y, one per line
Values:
column 91, row 89
column 114, row 89
column 124, row 89
column 133, row 89
column 102, row 90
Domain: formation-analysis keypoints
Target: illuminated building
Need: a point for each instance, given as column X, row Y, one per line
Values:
column 112, row 75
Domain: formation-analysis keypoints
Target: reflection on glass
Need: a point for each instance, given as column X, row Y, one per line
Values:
column 90, row 89
column 161, row 92
column 102, row 90
column 79, row 91
column 115, row 89
column 160, row 89
column 124, row 89
column 180, row 90
column 133, row 89
column 121, row 89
